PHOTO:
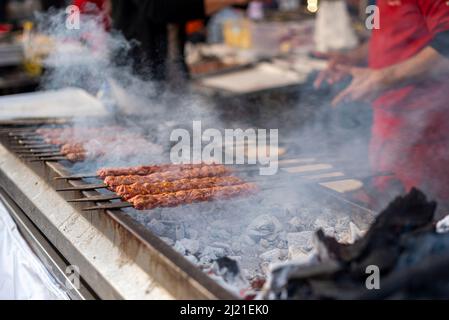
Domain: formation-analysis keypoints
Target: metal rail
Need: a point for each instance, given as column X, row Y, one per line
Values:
column 46, row 252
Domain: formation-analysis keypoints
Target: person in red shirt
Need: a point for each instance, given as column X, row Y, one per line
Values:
column 407, row 83
column 96, row 7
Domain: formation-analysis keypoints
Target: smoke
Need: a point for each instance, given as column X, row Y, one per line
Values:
column 266, row 228
column 100, row 62
column 97, row 61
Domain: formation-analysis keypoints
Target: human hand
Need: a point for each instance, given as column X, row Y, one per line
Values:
column 331, row 74
column 366, row 85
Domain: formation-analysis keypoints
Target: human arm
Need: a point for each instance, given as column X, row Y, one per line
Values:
column 331, row 74
column 368, row 84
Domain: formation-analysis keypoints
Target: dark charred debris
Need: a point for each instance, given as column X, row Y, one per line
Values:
column 412, row 260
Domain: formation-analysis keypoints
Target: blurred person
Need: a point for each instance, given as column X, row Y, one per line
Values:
column 100, row 8
column 3, row 8
column 159, row 29
column 406, row 82
column 58, row 4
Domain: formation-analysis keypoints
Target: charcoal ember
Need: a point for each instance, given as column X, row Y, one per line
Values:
column 274, row 255
column 321, row 223
column 443, row 225
column 404, row 214
column 248, row 240
column 192, row 233
column 190, row 246
column 180, row 232
column 157, row 227
column 299, row 243
column 257, row 283
column 168, row 241
column 265, row 243
column 171, row 229
column 229, row 270
column 354, row 232
column 222, row 245
column 401, row 242
column 236, row 245
column 180, row 248
column 229, row 265
column 210, row 254
column 295, row 224
column 220, row 234
column 342, row 224
column 271, row 257
column 264, row 226
column 192, row 259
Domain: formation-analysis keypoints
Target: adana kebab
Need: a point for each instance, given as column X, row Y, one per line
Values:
column 129, row 191
column 203, row 172
column 147, row 202
column 146, row 170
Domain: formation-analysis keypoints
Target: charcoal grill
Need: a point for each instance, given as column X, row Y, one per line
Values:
column 118, row 258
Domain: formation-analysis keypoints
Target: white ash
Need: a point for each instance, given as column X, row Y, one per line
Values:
column 355, row 233
column 157, row 227
column 192, row 259
column 274, row 255
column 187, row 246
column 210, row 254
column 192, row 234
column 295, row 224
column 222, row 245
column 443, row 225
column 259, row 231
column 264, row 226
column 248, row 240
column 299, row 243
column 168, row 241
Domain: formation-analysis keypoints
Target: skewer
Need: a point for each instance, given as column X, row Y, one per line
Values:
column 49, row 159
column 97, row 198
column 121, row 205
column 14, row 130
column 38, row 145
column 237, row 169
column 111, row 206
column 25, row 139
column 77, row 177
column 85, row 187
column 42, row 155
column 293, row 175
column 31, row 147
column 35, row 152
column 22, row 134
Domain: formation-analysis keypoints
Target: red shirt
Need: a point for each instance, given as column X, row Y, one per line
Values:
column 410, row 131
column 82, row 4
column 407, row 27
column 95, row 7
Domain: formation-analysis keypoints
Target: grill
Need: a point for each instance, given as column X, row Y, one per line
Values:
column 119, row 257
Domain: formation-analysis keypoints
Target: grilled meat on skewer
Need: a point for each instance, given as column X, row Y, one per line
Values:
column 72, row 148
column 130, row 191
column 76, row 156
column 146, row 170
column 147, row 202
column 77, row 144
column 204, row 172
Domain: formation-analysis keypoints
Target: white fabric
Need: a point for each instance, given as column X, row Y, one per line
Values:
column 333, row 27
column 68, row 102
column 22, row 274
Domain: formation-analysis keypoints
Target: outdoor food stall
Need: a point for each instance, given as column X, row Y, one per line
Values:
column 227, row 175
